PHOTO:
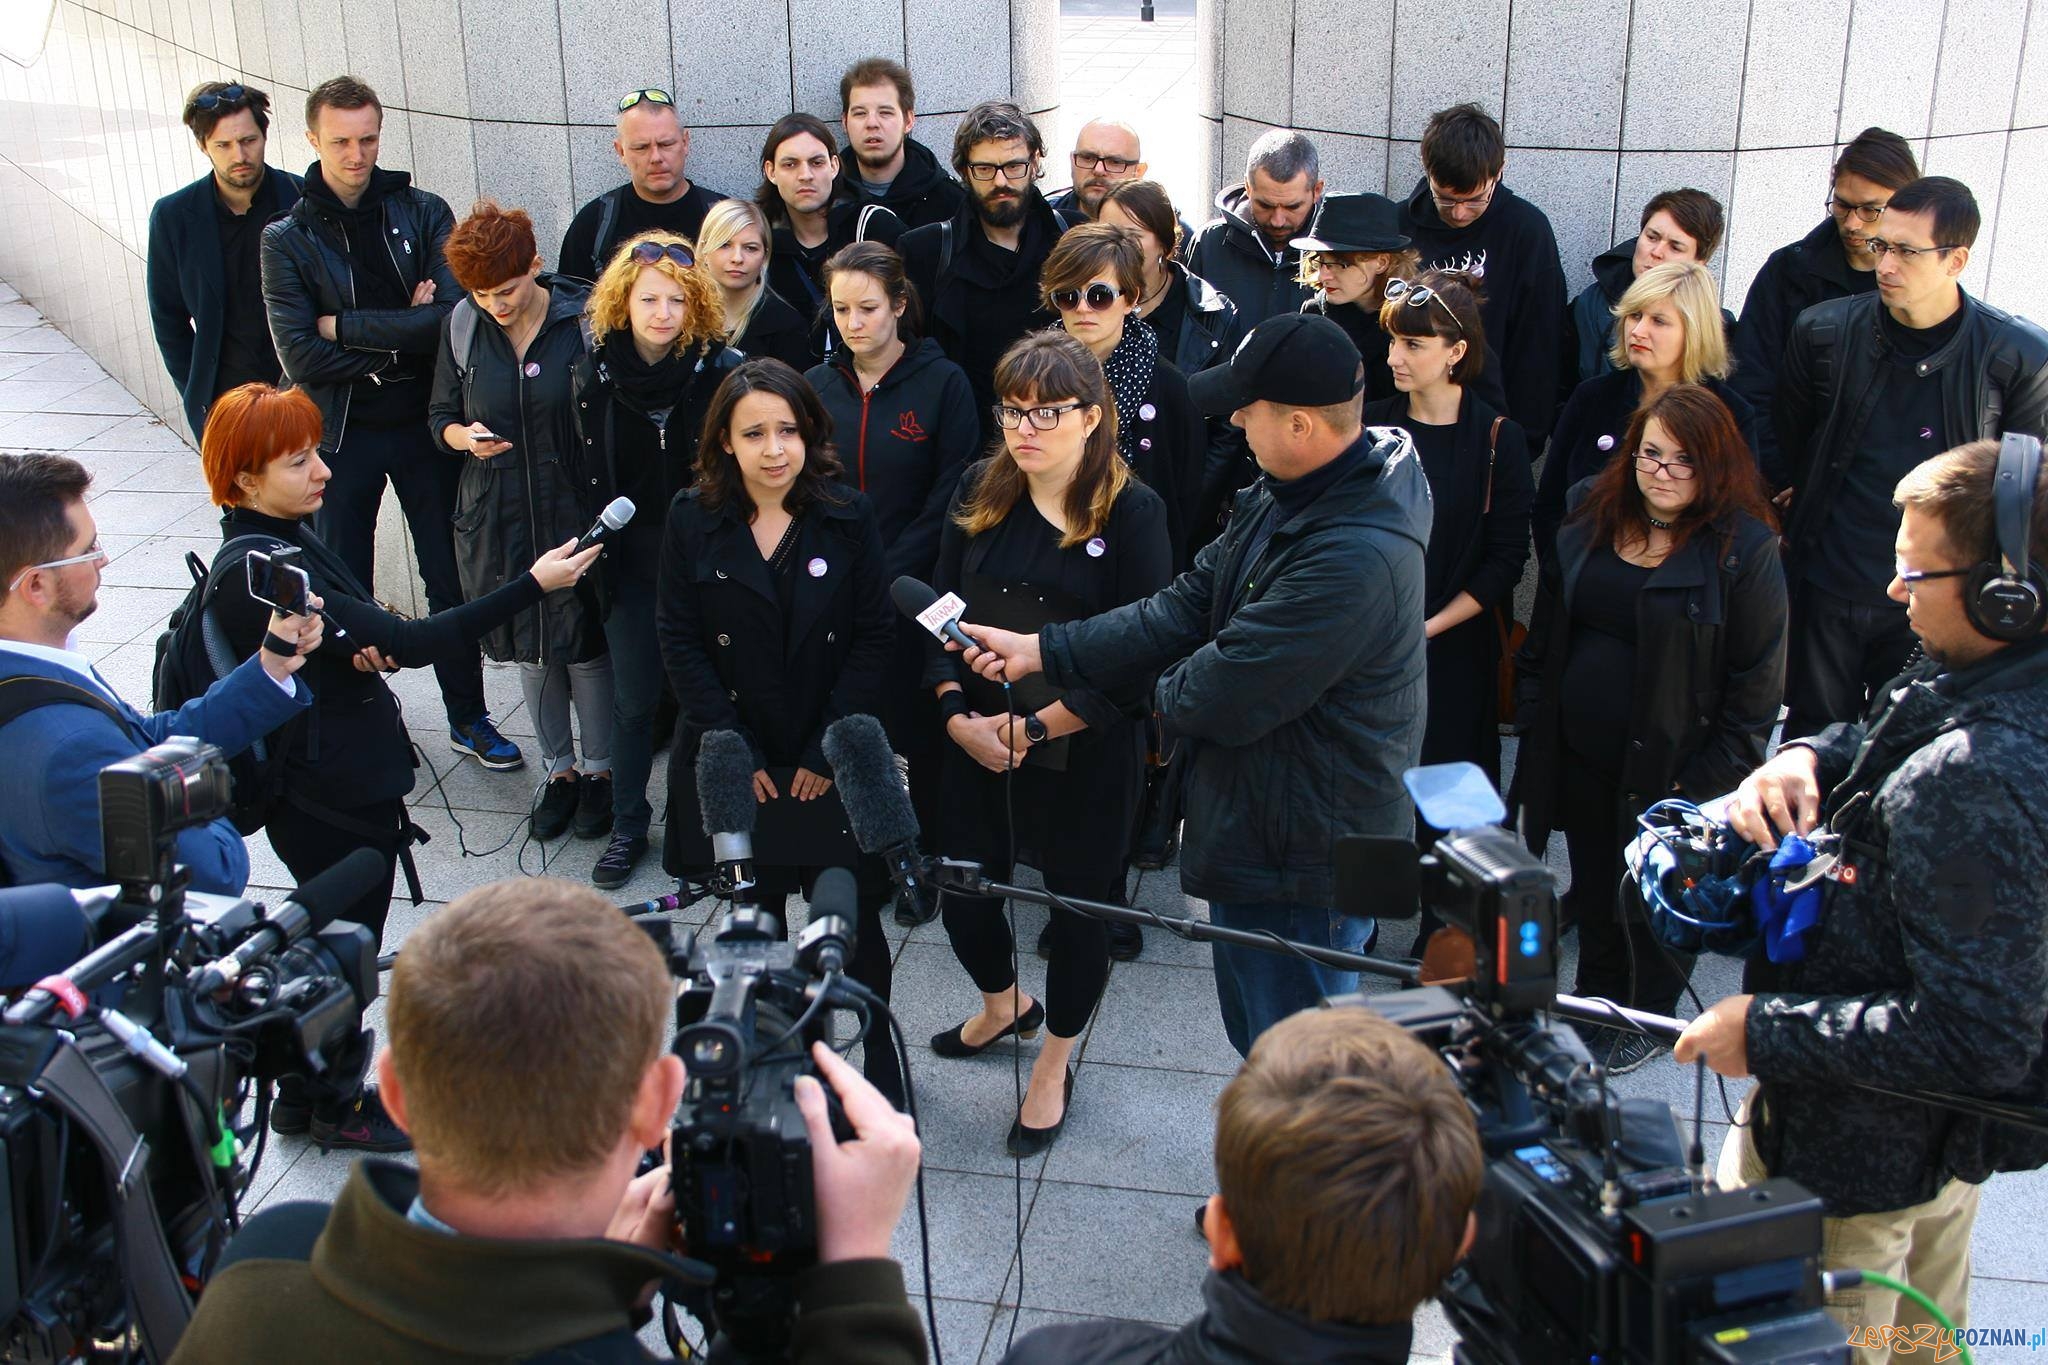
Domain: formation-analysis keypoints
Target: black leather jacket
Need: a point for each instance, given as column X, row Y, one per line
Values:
column 308, row 273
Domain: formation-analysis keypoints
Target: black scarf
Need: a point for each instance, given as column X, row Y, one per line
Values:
column 650, row 390
column 1129, row 369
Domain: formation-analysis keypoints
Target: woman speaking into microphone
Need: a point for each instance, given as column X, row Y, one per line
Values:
column 774, row 621
column 1051, row 527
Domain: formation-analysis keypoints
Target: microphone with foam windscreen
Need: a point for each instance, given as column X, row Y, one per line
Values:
column 725, row 797
column 876, row 801
column 939, row 615
column 610, row 521
column 319, row 902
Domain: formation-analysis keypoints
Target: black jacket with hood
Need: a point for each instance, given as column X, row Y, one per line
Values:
column 1231, row 253
column 1513, row 251
column 921, row 193
column 851, row 218
column 511, row 508
column 904, row 443
column 1295, row 682
column 310, row 259
column 1795, row 277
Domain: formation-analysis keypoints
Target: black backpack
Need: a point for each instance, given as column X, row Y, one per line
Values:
column 193, row 653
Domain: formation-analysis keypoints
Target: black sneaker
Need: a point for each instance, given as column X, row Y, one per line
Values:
column 360, row 1127
column 1630, row 1051
column 550, row 819
column 289, row 1118
column 1126, row 941
column 593, row 806
column 615, row 865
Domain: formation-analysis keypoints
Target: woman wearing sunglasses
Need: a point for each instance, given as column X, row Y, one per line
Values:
column 1051, row 527
column 1093, row 279
column 658, row 352
column 1668, row 329
column 732, row 250
column 1654, row 668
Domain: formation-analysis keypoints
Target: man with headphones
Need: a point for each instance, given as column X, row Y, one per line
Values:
column 1928, row 970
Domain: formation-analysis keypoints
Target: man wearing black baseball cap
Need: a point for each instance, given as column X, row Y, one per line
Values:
column 1289, row 661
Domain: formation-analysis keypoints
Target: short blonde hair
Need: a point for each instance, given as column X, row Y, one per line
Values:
column 1690, row 286
column 608, row 309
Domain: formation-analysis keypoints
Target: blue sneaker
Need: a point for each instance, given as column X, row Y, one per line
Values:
column 489, row 748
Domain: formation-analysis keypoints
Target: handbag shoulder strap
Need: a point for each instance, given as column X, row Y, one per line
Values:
column 1492, row 455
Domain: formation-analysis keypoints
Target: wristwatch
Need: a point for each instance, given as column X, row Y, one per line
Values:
column 1034, row 729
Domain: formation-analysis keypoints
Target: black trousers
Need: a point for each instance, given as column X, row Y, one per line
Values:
column 1839, row 653
column 426, row 479
column 1619, row 958
column 309, row 846
column 1078, row 968
column 870, row 965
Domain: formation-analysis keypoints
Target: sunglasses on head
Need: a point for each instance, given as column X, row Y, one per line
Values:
column 1096, row 298
column 227, row 97
column 652, row 96
column 1418, row 296
column 647, row 253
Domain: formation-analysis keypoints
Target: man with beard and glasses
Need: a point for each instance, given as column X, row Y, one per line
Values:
column 653, row 145
column 977, row 272
column 1247, row 252
column 205, row 243
column 882, row 164
column 1106, row 154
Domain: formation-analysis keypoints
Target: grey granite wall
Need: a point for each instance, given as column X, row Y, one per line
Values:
column 1605, row 102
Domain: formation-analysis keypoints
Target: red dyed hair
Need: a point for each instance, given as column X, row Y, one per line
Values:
column 1724, row 470
column 247, row 428
column 490, row 246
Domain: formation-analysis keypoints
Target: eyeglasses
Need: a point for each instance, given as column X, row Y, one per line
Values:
column 227, row 97
column 1039, row 419
column 985, row 171
column 1911, row 576
column 1476, row 201
column 1334, row 260
column 1096, row 161
column 652, row 96
column 647, row 253
column 1869, row 213
column 1097, row 297
column 1681, row 470
column 1880, row 248
column 95, row 555
column 1418, row 296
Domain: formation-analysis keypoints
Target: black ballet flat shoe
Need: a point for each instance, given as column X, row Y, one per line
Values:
column 1025, row 1026
column 1028, row 1142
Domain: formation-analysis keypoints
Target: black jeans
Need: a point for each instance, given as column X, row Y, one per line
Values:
column 636, row 690
column 870, row 965
column 1619, row 958
column 309, row 846
column 1838, row 654
column 426, row 480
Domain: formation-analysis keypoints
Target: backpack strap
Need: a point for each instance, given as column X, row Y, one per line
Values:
column 607, row 216
column 26, row 692
column 945, row 254
column 860, row 224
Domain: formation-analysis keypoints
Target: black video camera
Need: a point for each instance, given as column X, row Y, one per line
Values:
column 121, row 1076
column 1597, row 1241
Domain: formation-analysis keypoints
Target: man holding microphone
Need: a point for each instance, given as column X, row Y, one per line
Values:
column 1289, row 662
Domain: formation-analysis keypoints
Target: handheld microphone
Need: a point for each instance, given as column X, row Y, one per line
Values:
column 611, row 520
column 725, row 796
column 315, row 905
column 876, row 801
column 939, row 615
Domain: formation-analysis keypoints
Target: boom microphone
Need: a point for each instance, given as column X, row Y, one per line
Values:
column 611, row 520
column 725, row 796
column 315, row 905
column 876, row 801
column 939, row 615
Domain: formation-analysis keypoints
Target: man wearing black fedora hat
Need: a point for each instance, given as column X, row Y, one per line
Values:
column 1290, row 661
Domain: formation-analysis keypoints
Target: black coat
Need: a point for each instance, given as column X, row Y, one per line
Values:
column 186, row 288
column 852, row 218
column 904, row 443
column 986, row 297
column 1173, row 453
column 308, row 272
column 1598, row 412
column 737, row 664
column 921, row 193
column 1210, row 326
column 1231, row 254
column 1709, row 672
column 777, row 331
column 1795, row 277
column 511, row 508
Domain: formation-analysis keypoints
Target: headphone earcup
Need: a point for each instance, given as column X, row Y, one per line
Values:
column 2003, row 607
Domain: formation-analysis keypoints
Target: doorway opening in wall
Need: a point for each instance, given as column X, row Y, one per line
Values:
column 1116, row 64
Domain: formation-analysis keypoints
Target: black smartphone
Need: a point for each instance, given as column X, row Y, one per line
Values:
column 278, row 579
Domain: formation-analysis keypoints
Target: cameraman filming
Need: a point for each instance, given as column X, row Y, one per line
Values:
column 524, row 1233
column 1928, row 969
column 1349, row 1165
column 50, row 564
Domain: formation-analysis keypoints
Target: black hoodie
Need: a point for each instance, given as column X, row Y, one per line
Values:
column 1231, row 253
column 1589, row 323
column 904, row 443
column 1513, row 251
column 797, row 274
column 921, row 193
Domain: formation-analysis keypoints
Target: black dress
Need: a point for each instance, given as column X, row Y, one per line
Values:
column 1071, row 821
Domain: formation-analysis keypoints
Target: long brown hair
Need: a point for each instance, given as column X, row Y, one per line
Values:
column 718, row 470
column 1042, row 367
column 1724, row 471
